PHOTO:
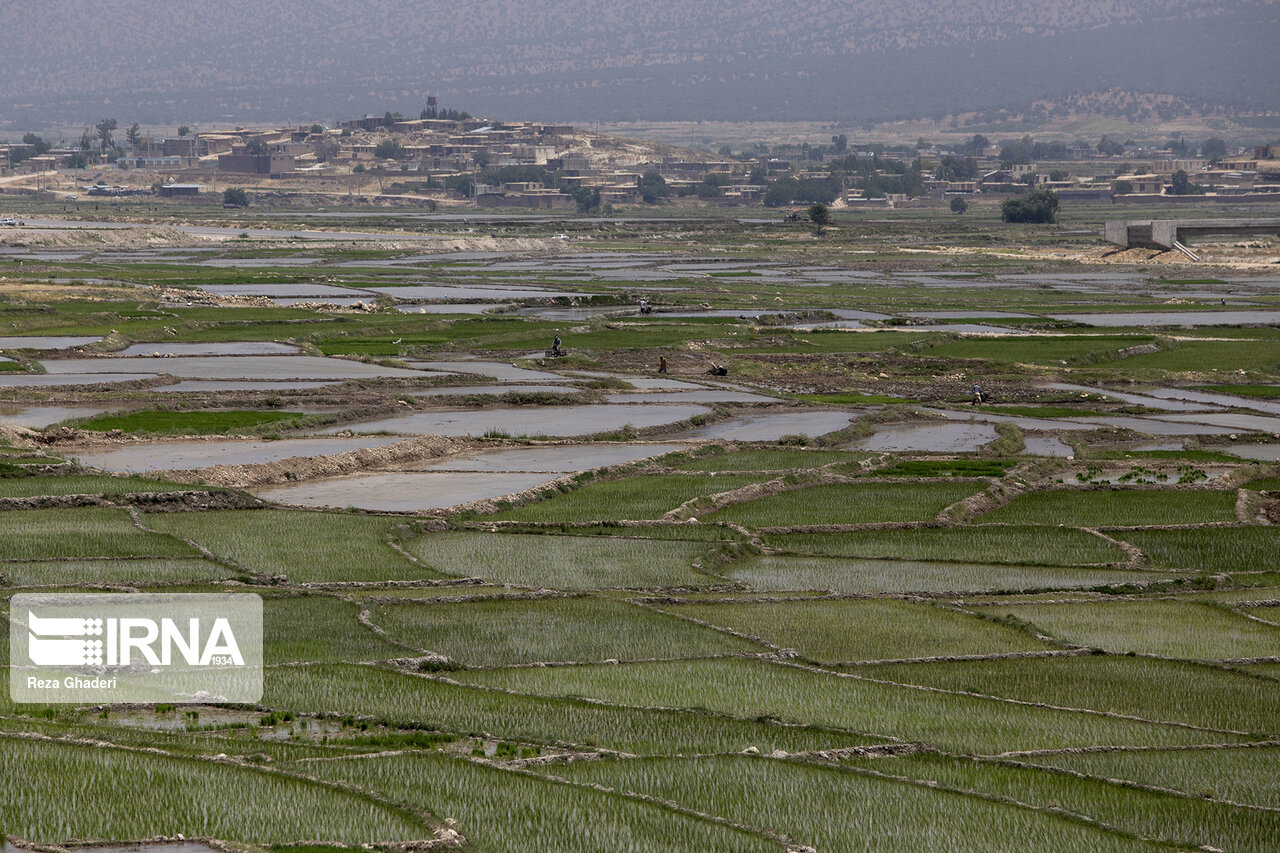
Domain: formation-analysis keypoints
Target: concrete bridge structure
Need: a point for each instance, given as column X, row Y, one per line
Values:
column 1170, row 233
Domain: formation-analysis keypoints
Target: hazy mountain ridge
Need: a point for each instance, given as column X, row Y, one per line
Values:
column 542, row 58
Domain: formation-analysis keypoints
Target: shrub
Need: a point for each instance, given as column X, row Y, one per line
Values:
column 1038, row 206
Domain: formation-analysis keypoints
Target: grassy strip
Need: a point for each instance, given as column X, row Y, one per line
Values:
column 1264, row 391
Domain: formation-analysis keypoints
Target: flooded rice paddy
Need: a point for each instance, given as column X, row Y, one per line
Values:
column 528, row 422
column 186, row 455
column 771, row 427
column 929, row 438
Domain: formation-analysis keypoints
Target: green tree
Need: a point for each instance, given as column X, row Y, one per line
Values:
column 959, row 205
column 652, row 187
column 389, row 149
column 316, row 129
column 105, row 129
column 976, row 145
column 235, row 197
column 257, row 148
column 1123, row 188
column 1109, row 146
column 1040, row 206
column 1017, row 153
column 183, row 130
column 1180, row 184
column 1214, row 148
column 819, row 214
column 40, row 146
column 134, row 135
column 587, row 198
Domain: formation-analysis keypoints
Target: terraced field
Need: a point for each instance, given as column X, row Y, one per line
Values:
column 726, row 631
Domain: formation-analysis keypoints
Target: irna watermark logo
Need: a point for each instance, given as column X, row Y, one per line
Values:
column 94, row 648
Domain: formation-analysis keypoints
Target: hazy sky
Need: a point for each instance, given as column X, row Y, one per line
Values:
column 301, row 60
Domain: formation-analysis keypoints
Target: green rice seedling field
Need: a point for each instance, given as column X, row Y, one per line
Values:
column 1210, row 696
column 504, row 632
column 563, row 562
column 79, row 572
column 1069, row 348
column 89, row 484
column 306, row 547
column 886, row 628
column 1243, row 548
column 418, row 702
column 860, row 576
column 82, row 532
column 1156, row 815
column 512, row 811
column 796, row 695
column 849, row 503
column 180, row 794
column 650, row 497
column 1117, row 507
column 811, row 804
column 1221, row 356
column 1230, row 775
column 1187, row 630
column 335, row 633
column 945, row 468
column 1014, row 545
